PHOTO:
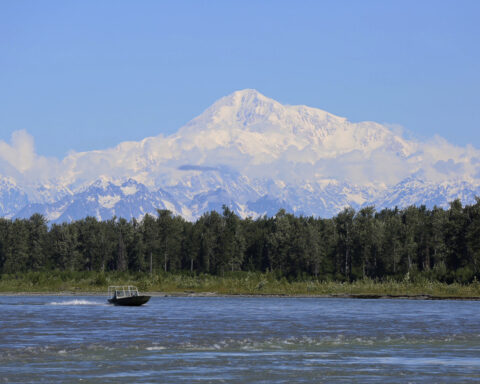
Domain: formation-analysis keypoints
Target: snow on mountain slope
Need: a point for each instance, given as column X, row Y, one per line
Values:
column 414, row 191
column 12, row 198
column 104, row 200
column 251, row 153
column 261, row 127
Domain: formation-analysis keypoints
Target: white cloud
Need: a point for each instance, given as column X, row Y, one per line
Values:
column 440, row 160
column 378, row 166
column 19, row 160
column 20, row 153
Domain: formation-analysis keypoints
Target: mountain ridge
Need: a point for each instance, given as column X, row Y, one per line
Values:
column 253, row 154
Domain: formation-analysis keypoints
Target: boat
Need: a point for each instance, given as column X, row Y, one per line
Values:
column 126, row 295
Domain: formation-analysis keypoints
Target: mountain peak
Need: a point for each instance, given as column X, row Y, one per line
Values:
column 246, row 99
column 249, row 107
column 244, row 107
column 263, row 128
column 246, row 96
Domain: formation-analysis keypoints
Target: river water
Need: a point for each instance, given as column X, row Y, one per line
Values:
column 54, row 339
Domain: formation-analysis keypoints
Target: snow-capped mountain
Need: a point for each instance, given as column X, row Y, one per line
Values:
column 104, row 200
column 417, row 192
column 250, row 153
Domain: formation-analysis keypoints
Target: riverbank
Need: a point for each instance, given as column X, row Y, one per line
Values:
column 214, row 294
column 235, row 284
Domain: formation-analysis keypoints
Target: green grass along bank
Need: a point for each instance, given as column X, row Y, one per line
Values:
column 237, row 283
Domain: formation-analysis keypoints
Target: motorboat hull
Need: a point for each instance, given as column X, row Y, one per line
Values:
column 130, row 301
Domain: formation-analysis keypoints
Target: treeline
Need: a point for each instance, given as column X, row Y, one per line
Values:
column 437, row 244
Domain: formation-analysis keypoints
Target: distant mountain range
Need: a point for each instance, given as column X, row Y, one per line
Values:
column 252, row 154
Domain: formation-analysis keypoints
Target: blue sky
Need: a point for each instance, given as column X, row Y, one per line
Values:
column 82, row 75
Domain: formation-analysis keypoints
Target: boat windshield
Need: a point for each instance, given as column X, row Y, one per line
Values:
column 122, row 291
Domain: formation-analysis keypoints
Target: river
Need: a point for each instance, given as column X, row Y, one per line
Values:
column 61, row 339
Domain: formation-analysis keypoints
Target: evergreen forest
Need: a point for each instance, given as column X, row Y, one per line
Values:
column 438, row 244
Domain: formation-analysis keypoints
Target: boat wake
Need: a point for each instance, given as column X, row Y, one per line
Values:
column 76, row 302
